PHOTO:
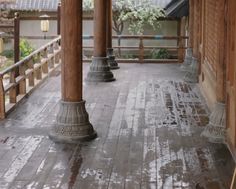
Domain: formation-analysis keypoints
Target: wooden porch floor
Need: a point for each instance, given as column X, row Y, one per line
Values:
column 148, row 122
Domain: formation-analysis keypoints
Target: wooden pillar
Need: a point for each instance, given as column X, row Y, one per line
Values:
column 71, row 32
column 110, row 52
column 59, row 19
column 15, row 91
column 16, row 37
column 72, row 124
column 109, row 24
column 189, row 52
column 191, row 18
column 99, row 68
column 100, row 38
column 181, row 33
column 192, row 72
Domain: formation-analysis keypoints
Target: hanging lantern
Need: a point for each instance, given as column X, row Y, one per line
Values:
column 44, row 25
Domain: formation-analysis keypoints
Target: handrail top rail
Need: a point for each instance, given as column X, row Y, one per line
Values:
column 142, row 36
column 27, row 58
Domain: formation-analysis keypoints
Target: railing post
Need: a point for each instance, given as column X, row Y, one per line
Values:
column 31, row 76
column 181, row 50
column 119, row 44
column 59, row 45
column 22, row 84
column 57, row 55
column 141, row 50
column 52, row 59
column 13, row 90
column 45, row 65
column 39, row 70
column 2, row 100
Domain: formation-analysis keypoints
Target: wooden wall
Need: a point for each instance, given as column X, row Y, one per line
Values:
column 212, row 22
column 230, row 75
column 214, row 44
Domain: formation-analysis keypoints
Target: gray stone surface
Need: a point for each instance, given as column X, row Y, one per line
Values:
column 72, row 124
column 191, row 75
column 215, row 131
column 112, row 59
column 187, row 60
column 100, row 71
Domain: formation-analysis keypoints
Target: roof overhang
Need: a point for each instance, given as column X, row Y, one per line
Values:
column 177, row 8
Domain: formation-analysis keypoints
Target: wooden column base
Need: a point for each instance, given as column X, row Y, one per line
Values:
column 192, row 74
column 112, row 59
column 100, row 71
column 187, row 60
column 72, row 124
column 215, row 131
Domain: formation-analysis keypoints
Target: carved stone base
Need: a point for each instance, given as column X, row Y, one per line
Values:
column 192, row 74
column 72, row 124
column 100, row 71
column 215, row 131
column 112, row 59
column 187, row 60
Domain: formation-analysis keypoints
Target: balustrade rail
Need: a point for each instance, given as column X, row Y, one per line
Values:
column 21, row 78
column 138, row 47
column 141, row 50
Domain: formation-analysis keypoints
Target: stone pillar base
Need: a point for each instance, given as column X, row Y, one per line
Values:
column 192, row 74
column 100, row 71
column 72, row 124
column 187, row 60
column 215, row 131
column 111, row 59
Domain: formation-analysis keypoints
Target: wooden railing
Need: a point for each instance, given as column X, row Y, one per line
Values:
column 21, row 78
column 141, row 49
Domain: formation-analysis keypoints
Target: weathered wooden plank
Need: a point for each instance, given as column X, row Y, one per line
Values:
column 30, row 168
column 16, row 166
column 148, row 137
column 12, row 154
column 119, row 167
column 149, row 171
column 43, row 170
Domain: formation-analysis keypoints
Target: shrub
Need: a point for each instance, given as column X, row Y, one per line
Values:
column 25, row 48
column 160, row 54
column 8, row 53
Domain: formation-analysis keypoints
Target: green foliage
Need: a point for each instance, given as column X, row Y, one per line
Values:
column 129, row 56
column 139, row 15
column 25, row 48
column 160, row 54
column 88, row 5
column 8, row 53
